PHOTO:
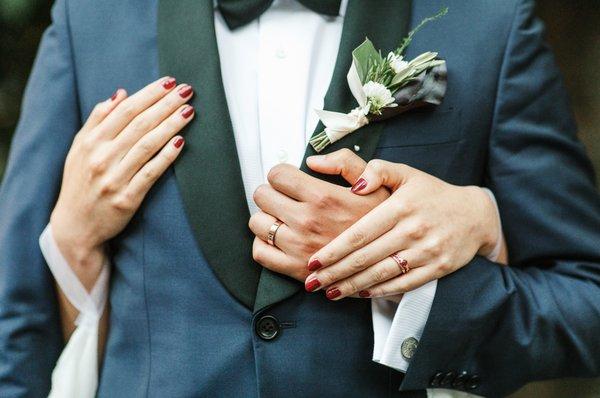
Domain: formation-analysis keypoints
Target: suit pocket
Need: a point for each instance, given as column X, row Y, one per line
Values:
column 428, row 141
column 421, row 128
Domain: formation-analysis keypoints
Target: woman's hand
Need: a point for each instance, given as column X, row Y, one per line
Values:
column 126, row 144
column 313, row 211
column 434, row 227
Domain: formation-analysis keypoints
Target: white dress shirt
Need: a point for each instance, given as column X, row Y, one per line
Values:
column 276, row 71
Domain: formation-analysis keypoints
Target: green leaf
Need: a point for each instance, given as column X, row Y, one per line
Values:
column 361, row 56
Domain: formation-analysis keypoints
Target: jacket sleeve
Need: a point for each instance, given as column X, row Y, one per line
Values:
column 492, row 328
column 30, row 334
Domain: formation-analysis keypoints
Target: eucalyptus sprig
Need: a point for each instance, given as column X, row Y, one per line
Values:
column 408, row 39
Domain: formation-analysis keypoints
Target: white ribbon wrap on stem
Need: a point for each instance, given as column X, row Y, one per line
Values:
column 337, row 124
column 76, row 372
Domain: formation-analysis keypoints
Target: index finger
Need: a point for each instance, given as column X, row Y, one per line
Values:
column 292, row 182
column 132, row 106
column 374, row 224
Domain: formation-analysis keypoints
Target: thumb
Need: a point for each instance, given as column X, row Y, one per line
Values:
column 380, row 173
column 343, row 162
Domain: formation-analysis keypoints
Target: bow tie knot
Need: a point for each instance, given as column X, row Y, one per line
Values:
column 237, row 13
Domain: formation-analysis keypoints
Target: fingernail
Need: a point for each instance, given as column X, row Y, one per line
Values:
column 364, row 293
column 332, row 293
column 178, row 142
column 314, row 265
column 312, row 285
column 359, row 185
column 185, row 91
column 187, row 112
column 169, row 83
column 114, row 96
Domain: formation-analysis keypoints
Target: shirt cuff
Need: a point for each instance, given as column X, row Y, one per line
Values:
column 398, row 327
column 89, row 304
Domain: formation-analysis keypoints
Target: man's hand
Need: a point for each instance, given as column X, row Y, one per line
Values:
column 313, row 211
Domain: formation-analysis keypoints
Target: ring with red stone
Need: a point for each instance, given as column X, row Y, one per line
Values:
column 402, row 263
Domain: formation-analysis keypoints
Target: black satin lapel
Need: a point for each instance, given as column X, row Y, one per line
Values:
column 208, row 171
column 386, row 23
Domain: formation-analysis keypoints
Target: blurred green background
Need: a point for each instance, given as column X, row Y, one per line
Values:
column 573, row 32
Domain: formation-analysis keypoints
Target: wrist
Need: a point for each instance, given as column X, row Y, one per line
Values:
column 84, row 256
column 486, row 221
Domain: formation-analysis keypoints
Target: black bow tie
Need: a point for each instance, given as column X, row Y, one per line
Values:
column 240, row 12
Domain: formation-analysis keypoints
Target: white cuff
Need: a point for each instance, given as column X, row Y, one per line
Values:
column 76, row 372
column 398, row 328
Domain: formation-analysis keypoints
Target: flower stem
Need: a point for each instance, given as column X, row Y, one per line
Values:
column 320, row 141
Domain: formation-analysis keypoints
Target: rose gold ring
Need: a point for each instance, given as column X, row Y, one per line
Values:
column 402, row 263
column 273, row 232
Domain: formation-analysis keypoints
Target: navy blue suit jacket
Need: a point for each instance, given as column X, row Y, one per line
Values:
column 175, row 331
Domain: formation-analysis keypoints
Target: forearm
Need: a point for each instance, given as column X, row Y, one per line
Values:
column 514, row 325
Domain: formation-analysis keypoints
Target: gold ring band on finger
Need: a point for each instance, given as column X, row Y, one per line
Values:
column 402, row 263
column 273, row 232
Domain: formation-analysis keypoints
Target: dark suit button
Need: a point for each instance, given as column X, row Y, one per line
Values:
column 460, row 380
column 447, row 379
column 435, row 381
column 473, row 382
column 267, row 327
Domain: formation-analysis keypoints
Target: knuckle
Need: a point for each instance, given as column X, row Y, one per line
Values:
column 376, row 164
column 257, row 253
column 445, row 265
column 350, row 286
column 98, row 165
column 149, row 174
column 310, row 225
column 277, row 172
column 127, row 109
column 380, row 275
column 260, row 192
column 146, row 148
column 359, row 261
column 124, row 202
column 345, row 153
column 99, row 110
column 417, row 231
column 108, row 187
column 358, row 238
column 141, row 124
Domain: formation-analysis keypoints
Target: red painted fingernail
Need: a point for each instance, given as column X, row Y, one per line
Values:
column 359, row 185
column 169, row 83
column 114, row 96
column 185, row 91
column 332, row 293
column 178, row 142
column 314, row 265
column 312, row 285
column 187, row 111
column 364, row 293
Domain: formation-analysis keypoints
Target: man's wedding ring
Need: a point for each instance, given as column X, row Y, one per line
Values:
column 273, row 232
column 402, row 263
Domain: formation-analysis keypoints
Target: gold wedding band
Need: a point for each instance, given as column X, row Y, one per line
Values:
column 402, row 263
column 273, row 232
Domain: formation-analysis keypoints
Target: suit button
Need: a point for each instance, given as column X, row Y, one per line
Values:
column 267, row 327
column 473, row 382
column 447, row 379
column 437, row 378
column 460, row 380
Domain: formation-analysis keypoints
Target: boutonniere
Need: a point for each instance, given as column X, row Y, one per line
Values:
column 385, row 87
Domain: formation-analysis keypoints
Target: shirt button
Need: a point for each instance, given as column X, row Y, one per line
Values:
column 267, row 327
column 408, row 347
column 282, row 156
column 280, row 53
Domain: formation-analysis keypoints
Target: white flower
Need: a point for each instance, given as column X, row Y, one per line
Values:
column 378, row 96
column 397, row 62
